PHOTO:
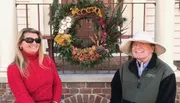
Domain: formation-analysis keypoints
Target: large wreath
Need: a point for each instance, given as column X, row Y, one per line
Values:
column 107, row 23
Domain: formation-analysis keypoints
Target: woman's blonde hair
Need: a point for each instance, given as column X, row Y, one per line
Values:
column 19, row 59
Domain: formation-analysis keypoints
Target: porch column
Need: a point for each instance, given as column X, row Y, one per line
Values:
column 8, row 33
column 164, row 28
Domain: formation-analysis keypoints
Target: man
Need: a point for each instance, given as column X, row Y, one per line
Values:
column 145, row 78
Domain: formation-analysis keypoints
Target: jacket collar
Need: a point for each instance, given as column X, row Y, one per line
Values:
column 133, row 67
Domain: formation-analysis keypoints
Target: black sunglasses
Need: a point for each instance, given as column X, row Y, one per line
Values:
column 31, row 40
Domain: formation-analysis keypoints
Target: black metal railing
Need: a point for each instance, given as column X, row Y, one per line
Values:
column 110, row 65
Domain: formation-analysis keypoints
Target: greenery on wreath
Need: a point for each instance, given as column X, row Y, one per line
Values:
column 106, row 23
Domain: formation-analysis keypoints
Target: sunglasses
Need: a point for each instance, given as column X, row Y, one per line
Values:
column 31, row 40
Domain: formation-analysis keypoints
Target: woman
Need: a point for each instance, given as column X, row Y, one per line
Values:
column 145, row 78
column 32, row 76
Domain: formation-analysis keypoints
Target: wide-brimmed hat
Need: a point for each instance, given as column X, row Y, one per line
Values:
column 144, row 37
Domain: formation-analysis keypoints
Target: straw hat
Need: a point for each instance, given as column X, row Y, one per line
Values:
column 144, row 37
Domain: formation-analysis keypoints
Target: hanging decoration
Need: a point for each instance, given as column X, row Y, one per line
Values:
column 106, row 24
